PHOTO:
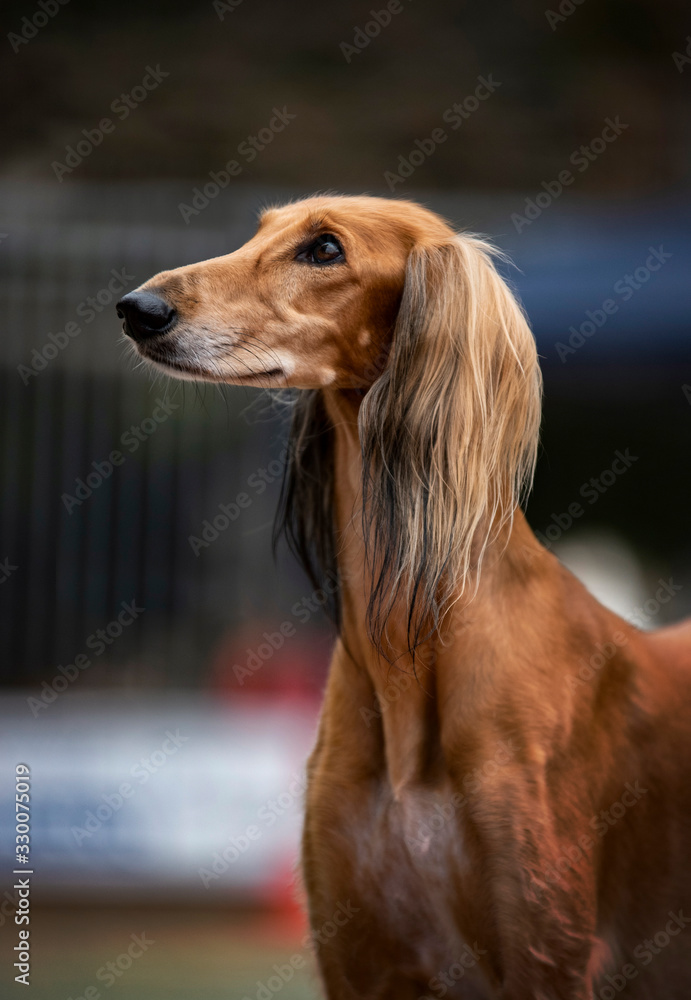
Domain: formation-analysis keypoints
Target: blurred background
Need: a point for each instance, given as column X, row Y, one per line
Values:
column 161, row 674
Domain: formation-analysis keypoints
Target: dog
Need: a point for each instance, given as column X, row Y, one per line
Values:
column 489, row 817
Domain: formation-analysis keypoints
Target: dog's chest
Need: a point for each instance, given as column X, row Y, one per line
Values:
column 409, row 881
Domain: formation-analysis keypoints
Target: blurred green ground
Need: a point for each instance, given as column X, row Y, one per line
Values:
column 197, row 955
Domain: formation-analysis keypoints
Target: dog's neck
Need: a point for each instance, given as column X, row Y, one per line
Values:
column 514, row 548
column 407, row 690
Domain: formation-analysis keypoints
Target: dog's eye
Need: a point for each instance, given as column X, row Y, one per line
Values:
column 325, row 250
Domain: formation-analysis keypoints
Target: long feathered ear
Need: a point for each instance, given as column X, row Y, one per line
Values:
column 449, row 435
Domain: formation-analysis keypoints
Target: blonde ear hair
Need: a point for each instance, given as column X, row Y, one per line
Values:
column 449, row 435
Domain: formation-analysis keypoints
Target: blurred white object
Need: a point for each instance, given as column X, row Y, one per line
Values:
column 608, row 566
column 209, row 788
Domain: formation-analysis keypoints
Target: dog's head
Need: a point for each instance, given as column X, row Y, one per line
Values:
column 310, row 301
column 383, row 297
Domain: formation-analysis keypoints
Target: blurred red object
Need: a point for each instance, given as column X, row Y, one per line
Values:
column 271, row 664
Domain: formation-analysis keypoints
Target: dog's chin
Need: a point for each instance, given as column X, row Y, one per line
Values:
column 180, row 367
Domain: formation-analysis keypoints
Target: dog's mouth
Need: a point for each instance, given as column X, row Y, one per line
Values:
column 166, row 361
column 267, row 373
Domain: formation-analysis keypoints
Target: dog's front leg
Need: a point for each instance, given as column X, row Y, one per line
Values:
column 546, row 934
column 558, row 984
column 544, row 893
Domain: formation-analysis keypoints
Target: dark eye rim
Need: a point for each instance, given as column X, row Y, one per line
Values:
column 306, row 254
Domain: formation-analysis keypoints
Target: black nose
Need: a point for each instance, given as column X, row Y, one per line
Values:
column 145, row 315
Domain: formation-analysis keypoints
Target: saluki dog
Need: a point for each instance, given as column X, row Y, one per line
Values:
column 498, row 801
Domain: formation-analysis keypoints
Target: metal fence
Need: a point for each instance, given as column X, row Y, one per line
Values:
column 80, row 533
